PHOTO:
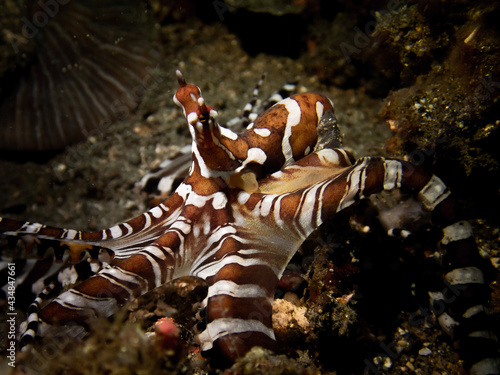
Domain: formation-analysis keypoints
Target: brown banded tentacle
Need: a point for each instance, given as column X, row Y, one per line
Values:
column 121, row 240
column 32, row 320
column 247, row 116
column 238, row 312
column 461, row 305
column 123, row 280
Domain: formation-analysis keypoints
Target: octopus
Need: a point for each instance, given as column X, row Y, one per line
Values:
column 247, row 204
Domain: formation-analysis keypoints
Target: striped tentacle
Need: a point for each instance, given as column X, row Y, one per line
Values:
column 164, row 180
column 44, row 237
column 287, row 90
column 254, row 108
column 33, row 274
column 39, row 277
column 121, row 240
column 249, row 113
column 123, row 280
column 242, row 275
column 460, row 305
column 238, row 312
column 142, row 262
column 137, row 245
column 32, row 321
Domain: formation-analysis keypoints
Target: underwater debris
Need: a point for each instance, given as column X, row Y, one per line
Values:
column 444, row 108
column 86, row 65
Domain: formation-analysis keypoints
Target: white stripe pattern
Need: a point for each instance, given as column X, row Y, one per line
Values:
column 225, row 326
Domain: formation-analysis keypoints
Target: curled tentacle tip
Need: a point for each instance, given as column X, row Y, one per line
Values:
column 180, row 78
